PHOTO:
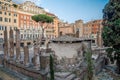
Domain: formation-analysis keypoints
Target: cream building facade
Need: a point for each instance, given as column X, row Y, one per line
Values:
column 31, row 7
column 8, row 17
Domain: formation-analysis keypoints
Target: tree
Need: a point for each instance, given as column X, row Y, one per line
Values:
column 51, row 68
column 42, row 19
column 111, row 30
column 88, row 57
column 15, row 5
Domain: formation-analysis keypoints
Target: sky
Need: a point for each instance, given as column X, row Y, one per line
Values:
column 72, row 10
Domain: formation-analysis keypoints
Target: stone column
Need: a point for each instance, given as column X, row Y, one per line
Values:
column 18, row 45
column 47, row 43
column 26, row 55
column 36, row 51
column 11, row 41
column 5, row 44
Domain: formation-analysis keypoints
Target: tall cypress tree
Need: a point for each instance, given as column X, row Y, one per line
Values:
column 51, row 68
column 111, row 30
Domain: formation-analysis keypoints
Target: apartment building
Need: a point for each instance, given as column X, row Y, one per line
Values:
column 52, row 29
column 8, row 17
column 29, row 9
column 29, row 29
column 93, row 29
column 87, row 30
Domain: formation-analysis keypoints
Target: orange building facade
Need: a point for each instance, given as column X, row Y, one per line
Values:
column 93, row 29
column 52, row 29
column 87, row 30
column 29, row 29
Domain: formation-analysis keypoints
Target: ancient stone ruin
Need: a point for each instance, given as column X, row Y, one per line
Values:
column 35, row 66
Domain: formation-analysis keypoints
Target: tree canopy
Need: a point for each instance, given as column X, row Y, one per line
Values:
column 111, row 30
column 42, row 18
column 15, row 5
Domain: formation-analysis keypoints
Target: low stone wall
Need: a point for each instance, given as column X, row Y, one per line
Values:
column 83, row 74
column 99, row 65
column 26, row 71
column 97, row 68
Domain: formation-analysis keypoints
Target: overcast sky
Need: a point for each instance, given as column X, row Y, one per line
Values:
column 71, row 10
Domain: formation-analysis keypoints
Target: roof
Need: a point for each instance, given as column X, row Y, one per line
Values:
column 66, row 38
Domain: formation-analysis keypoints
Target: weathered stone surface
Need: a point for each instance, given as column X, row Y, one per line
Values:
column 44, row 62
column 36, row 50
column 11, row 41
column 17, row 45
column 26, row 56
column 44, row 58
column 47, row 43
column 66, row 38
column 5, row 44
column 26, row 71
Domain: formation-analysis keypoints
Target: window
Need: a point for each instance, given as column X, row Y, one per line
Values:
column 0, row 12
column 5, row 27
column 15, row 14
column 15, row 20
column 24, row 17
column 9, row 14
column 21, row 36
column 9, row 20
column 5, row 13
column 15, row 28
column 6, row 19
column 0, row 27
column 0, row 18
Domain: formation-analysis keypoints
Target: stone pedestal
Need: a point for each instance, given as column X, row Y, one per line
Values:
column 26, row 56
column 44, row 62
column 17, row 45
column 44, row 57
column 11, row 41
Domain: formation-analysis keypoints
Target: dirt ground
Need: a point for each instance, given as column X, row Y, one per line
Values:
column 5, row 76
